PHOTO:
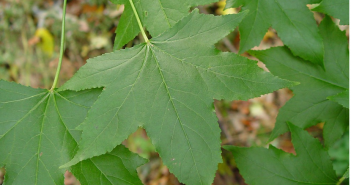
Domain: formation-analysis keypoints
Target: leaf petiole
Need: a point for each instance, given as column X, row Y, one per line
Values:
column 345, row 176
column 62, row 45
column 139, row 22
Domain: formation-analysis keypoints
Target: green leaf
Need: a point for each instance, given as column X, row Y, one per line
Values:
column 156, row 16
column 341, row 98
column 310, row 105
column 167, row 87
column 37, row 135
column 336, row 8
column 114, row 168
column 261, row 166
column 293, row 21
column 339, row 154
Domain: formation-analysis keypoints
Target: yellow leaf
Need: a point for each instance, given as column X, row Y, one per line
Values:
column 46, row 43
column 221, row 4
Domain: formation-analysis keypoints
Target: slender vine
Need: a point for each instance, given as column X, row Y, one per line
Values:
column 63, row 27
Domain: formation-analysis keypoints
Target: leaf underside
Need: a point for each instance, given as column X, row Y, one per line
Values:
column 311, row 165
column 156, row 16
column 38, row 135
column 168, row 87
column 310, row 104
column 293, row 21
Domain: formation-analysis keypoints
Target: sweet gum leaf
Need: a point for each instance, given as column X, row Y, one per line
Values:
column 37, row 135
column 310, row 105
column 167, row 87
column 261, row 166
column 293, row 21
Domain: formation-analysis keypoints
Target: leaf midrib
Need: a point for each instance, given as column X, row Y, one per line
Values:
column 244, row 43
column 311, row 158
column 302, row 35
column 106, row 176
column 209, row 69
column 165, row 15
column 125, row 99
column 40, row 137
column 304, row 73
column 175, row 110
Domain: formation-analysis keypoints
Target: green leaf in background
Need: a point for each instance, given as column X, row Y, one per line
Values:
column 344, row 177
column 37, row 135
column 336, row 8
column 310, row 105
column 261, row 166
column 156, row 16
column 346, row 174
column 341, row 98
column 293, row 21
column 167, row 86
column 339, row 154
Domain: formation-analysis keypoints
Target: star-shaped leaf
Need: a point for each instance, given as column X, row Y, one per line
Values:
column 156, row 16
column 336, row 8
column 311, row 165
column 310, row 105
column 167, row 87
column 293, row 21
column 37, row 135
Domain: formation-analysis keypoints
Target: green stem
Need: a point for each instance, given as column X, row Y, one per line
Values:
column 340, row 180
column 139, row 22
column 345, row 176
column 62, row 45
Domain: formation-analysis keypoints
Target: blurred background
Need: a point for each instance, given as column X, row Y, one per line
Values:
column 29, row 49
